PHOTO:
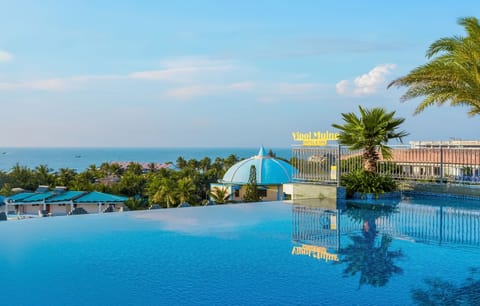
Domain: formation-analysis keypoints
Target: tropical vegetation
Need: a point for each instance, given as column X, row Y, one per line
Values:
column 452, row 74
column 189, row 181
column 370, row 132
column 367, row 182
column 251, row 190
column 220, row 194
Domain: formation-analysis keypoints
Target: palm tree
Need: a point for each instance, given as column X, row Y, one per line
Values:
column 23, row 177
column 65, row 176
column 452, row 75
column 44, row 175
column 370, row 132
column 185, row 189
column 181, row 162
column 205, row 164
column 167, row 192
column 231, row 160
column 220, row 195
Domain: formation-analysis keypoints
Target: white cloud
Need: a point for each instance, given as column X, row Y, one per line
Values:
column 48, row 85
column 56, row 84
column 343, row 87
column 242, row 86
column 189, row 70
column 185, row 69
column 366, row 84
column 189, row 92
column 5, row 56
column 198, row 90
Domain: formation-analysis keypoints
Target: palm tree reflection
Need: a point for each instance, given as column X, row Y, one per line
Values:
column 368, row 255
column 440, row 292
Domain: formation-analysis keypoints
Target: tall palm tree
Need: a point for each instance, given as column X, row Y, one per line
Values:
column 65, row 176
column 231, row 160
column 370, row 132
column 185, row 189
column 167, row 192
column 23, row 177
column 452, row 75
column 44, row 175
column 205, row 164
column 181, row 162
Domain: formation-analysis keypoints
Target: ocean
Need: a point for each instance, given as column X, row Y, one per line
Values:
column 81, row 158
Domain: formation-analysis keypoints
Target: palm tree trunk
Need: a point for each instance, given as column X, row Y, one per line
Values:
column 370, row 158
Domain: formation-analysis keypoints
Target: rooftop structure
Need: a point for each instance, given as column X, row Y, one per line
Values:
column 61, row 202
column 145, row 166
column 445, row 144
column 270, row 170
column 271, row 174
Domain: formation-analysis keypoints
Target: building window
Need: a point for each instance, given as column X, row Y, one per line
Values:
column 237, row 193
column 262, row 193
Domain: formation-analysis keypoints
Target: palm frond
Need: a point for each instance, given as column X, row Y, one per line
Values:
column 452, row 75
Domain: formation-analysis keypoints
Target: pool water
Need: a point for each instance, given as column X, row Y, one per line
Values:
column 418, row 251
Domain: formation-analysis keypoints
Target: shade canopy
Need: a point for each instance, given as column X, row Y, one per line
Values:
column 100, row 197
column 51, row 197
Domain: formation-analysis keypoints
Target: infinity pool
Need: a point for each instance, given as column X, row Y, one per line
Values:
column 414, row 252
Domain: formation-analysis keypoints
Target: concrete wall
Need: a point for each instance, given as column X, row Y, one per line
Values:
column 56, row 209
column 59, row 210
column 29, row 209
column 274, row 192
column 91, row 208
column 303, row 191
column 440, row 188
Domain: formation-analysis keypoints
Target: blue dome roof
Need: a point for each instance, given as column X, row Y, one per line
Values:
column 270, row 171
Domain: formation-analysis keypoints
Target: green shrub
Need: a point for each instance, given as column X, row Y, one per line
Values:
column 367, row 182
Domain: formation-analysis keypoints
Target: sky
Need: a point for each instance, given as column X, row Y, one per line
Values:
column 214, row 73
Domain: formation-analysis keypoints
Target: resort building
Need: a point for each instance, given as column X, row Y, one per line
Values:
column 146, row 167
column 271, row 175
column 58, row 202
column 475, row 144
column 452, row 161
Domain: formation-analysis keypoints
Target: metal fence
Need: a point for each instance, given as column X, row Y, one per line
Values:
column 439, row 164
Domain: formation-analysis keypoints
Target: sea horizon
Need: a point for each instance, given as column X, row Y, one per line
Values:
column 80, row 158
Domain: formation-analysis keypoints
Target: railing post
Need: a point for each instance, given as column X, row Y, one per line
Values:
column 441, row 163
column 339, row 157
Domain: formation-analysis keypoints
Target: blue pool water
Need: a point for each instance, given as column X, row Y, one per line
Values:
column 247, row 254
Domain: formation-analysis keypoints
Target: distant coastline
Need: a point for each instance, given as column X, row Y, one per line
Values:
column 81, row 158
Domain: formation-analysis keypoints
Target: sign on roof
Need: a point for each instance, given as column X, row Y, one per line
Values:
column 313, row 139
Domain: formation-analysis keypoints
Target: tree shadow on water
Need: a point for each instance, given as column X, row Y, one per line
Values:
column 441, row 292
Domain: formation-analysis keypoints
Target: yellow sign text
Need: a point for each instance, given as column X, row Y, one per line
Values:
column 314, row 138
column 314, row 251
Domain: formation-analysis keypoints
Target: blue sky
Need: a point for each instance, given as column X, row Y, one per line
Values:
column 213, row 73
